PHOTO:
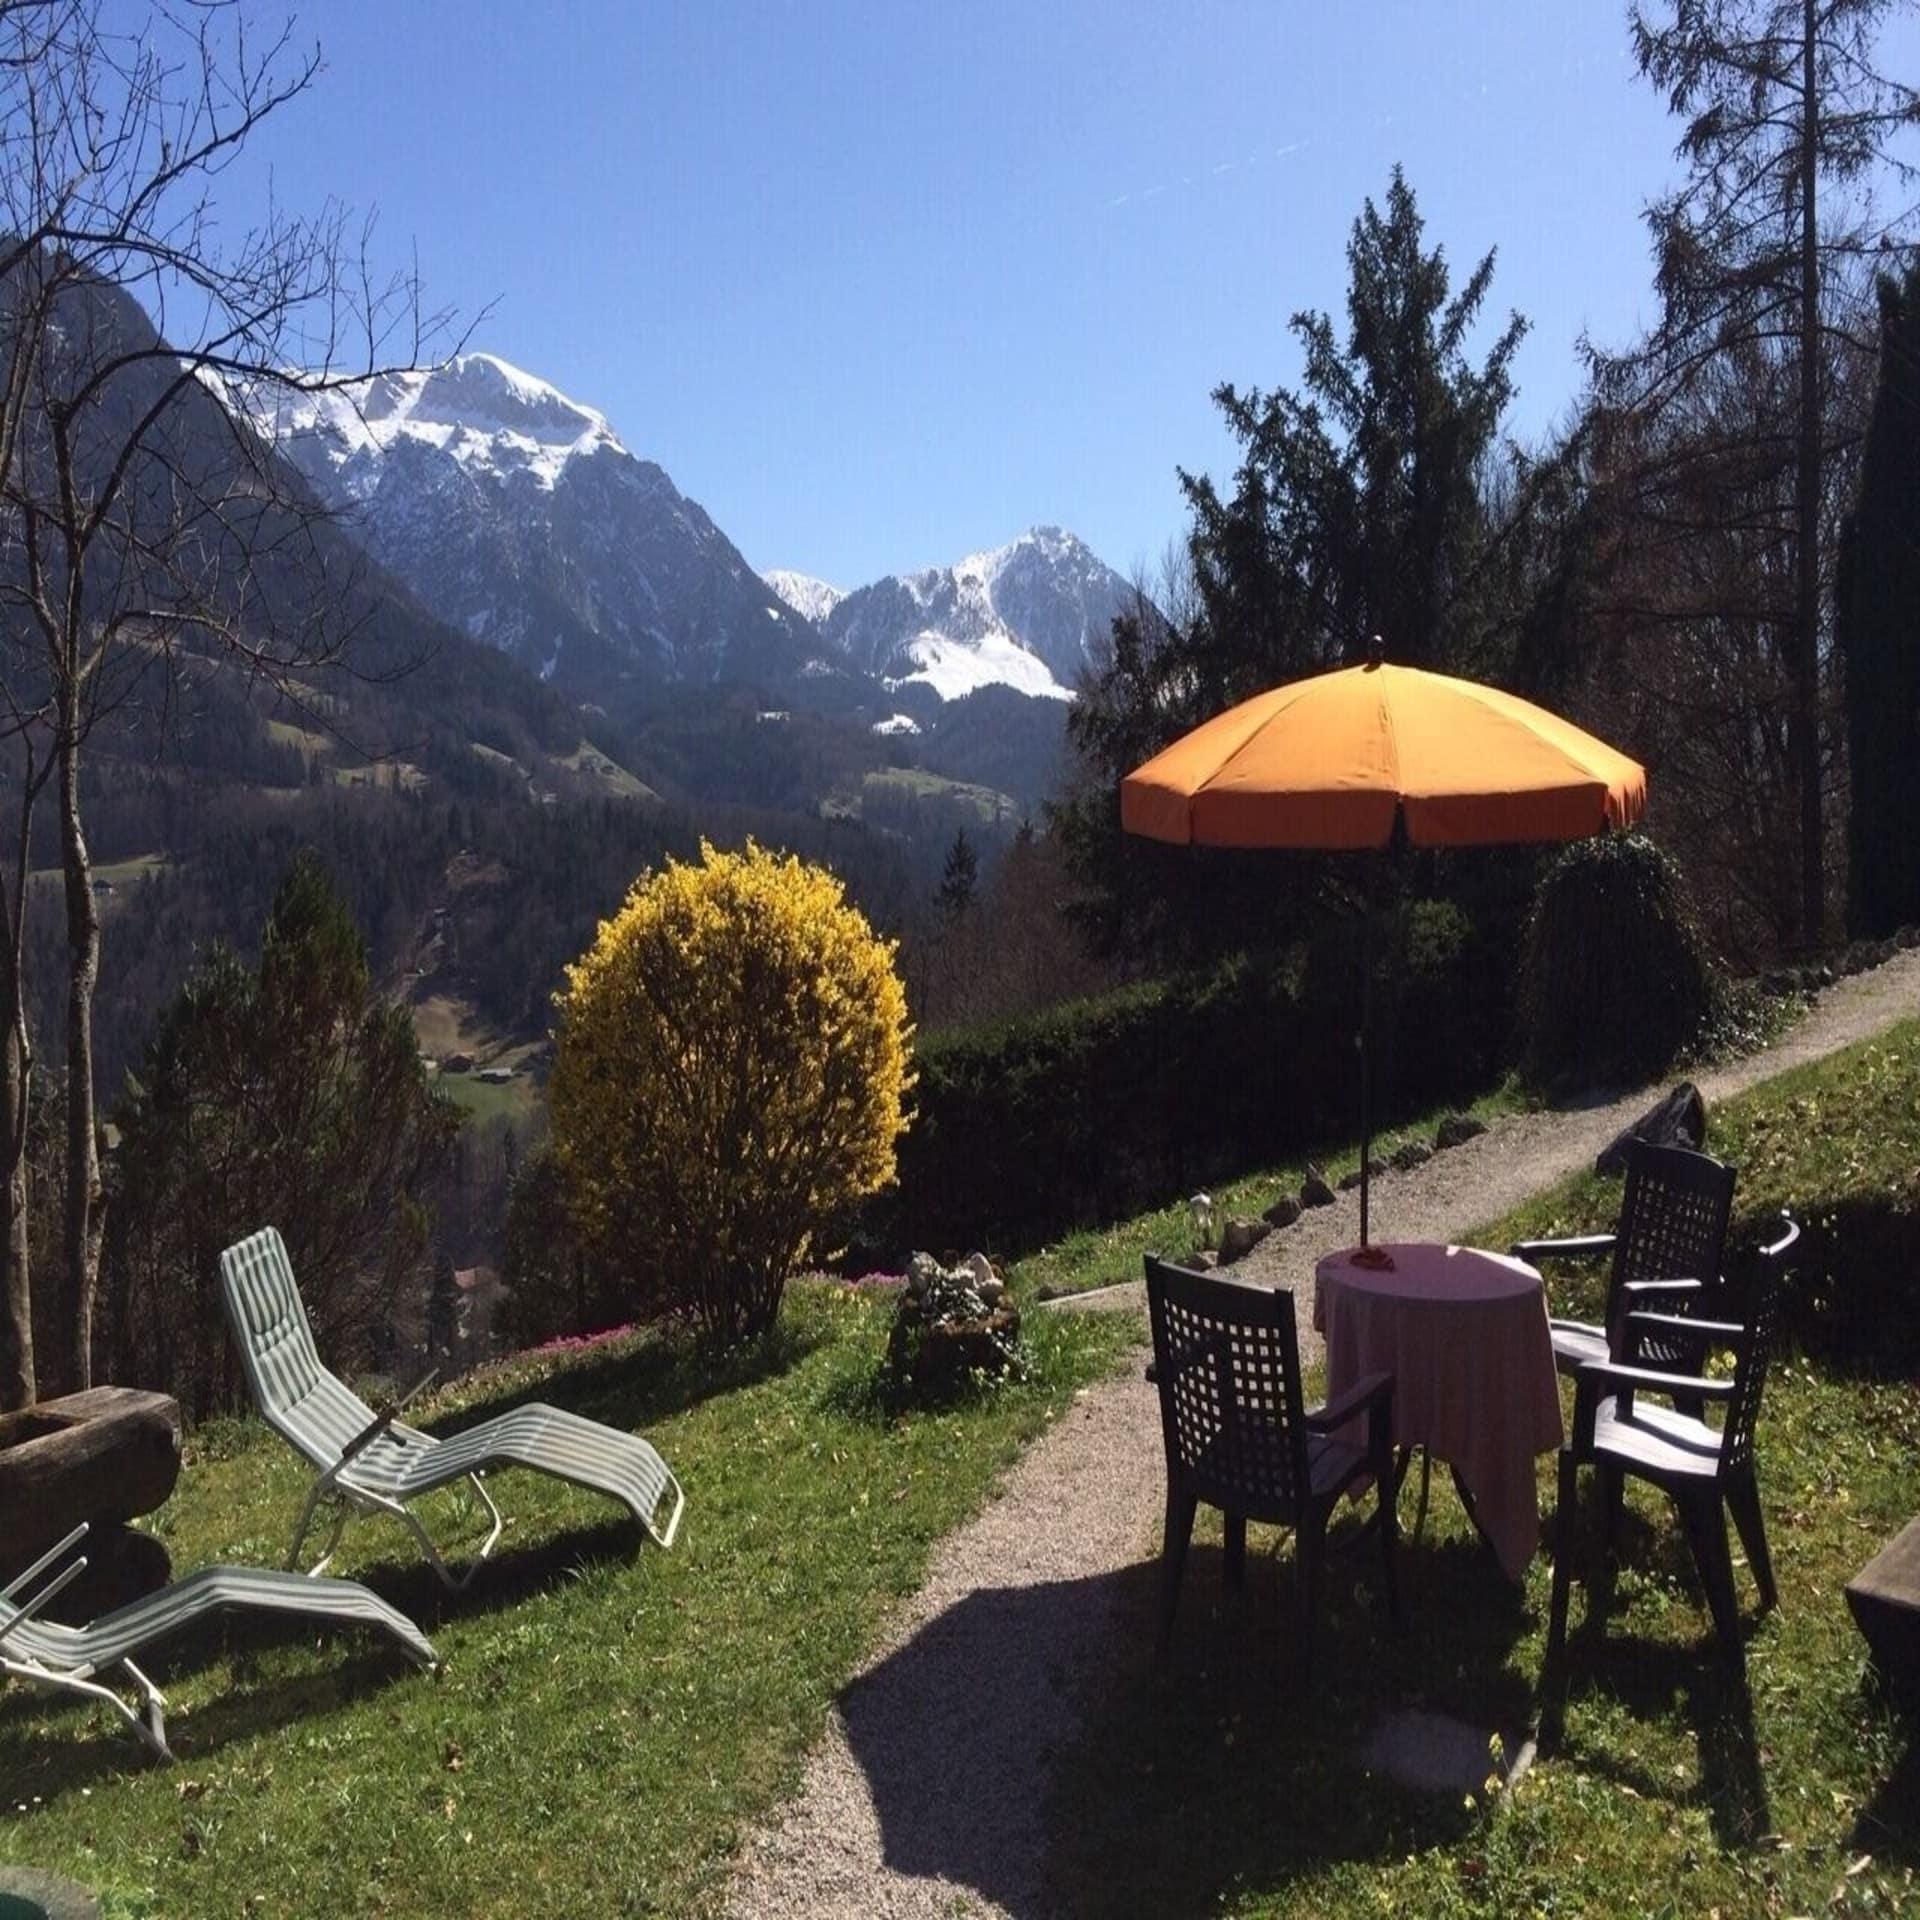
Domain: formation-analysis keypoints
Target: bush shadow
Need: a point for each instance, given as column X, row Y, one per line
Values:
column 656, row 1380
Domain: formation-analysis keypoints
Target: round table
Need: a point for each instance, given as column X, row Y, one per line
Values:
column 1464, row 1334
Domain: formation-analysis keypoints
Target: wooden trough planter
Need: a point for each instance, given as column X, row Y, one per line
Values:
column 948, row 1353
column 105, row 1456
column 1885, row 1598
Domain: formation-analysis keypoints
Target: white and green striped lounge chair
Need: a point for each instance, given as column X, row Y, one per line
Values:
column 68, row 1659
column 371, row 1462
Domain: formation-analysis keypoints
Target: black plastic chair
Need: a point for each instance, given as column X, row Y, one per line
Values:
column 1227, row 1364
column 1706, row 1473
column 1669, row 1245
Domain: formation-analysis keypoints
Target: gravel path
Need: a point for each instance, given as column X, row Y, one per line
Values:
column 928, row 1794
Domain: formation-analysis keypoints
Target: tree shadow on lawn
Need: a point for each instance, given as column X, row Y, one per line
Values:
column 347, row 1667
column 99, row 1747
column 1174, row 1783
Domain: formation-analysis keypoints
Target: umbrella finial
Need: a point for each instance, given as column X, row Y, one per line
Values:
column 1376, row 652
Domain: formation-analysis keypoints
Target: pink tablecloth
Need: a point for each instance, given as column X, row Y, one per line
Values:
column 1464, row 1335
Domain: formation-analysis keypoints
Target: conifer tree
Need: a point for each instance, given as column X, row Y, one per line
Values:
column 1880, row 636
column 959, row 878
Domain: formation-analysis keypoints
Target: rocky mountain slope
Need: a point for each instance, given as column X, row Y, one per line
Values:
column 517, row 515
column 1028, row 615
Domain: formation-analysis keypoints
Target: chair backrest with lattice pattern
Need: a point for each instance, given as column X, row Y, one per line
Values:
column 1673, row 1226
column 1227, row 1359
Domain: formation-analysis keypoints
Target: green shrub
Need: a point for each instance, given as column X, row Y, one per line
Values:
column 1615, row 979
column 1093, row 1109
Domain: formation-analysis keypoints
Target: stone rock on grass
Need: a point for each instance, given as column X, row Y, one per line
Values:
column 1456, row 1129
column 1348, row 1181
column 1314, row 1191
column 1283, row 1213
column 1238, row 1238
column 1414, row 1153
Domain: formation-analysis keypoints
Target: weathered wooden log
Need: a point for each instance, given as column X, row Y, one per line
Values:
column 107, row 1455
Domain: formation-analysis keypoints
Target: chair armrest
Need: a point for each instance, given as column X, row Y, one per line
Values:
column 1599, row 1376
column 1637, row 1288
column 21, row 1582
column 380, row 1422
column 1686, row 1323
column 1610, row 1373
column 1364, row 1392
column 58, row 1584
column 1586, row 1246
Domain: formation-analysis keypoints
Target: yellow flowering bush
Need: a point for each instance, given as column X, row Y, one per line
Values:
column 729, row 1079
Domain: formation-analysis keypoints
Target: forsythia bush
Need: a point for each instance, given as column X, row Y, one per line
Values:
column 729, row 1080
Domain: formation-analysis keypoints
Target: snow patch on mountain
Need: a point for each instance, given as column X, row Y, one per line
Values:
column 954, row 668
column 811, row 599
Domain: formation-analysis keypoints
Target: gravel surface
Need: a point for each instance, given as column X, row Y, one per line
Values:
column 927, row 1795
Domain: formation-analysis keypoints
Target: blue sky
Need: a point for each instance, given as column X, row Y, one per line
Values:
column 883, row 284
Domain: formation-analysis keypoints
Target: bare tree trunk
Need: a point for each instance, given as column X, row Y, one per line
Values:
column 18, row 1383
column 17, row 1387
column 84, row 1211
column 1804, row 720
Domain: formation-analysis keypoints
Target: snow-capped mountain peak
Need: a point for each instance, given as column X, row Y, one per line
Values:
column 488, row 416
column 1027, row 615
column 811, row 599
column 515, row 512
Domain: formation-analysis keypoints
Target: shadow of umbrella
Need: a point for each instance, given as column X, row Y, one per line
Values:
column 948, row 1730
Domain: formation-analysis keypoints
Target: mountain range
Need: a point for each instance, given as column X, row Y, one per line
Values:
column 1028, row 615
column 517, row 515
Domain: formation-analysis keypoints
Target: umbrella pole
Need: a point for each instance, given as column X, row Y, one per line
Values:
column 1366, row 1087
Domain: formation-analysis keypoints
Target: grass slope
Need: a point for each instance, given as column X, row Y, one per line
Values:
column 1221, row 1786
column 607, row 1720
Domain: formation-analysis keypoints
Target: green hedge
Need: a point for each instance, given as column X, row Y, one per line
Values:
column 1617, row 979
column 1096, row 1108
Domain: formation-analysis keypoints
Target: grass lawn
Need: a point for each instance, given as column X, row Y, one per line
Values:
column 1104, row 1256
column 1220, row 1785
column 607, row 1720
column 483, row 1100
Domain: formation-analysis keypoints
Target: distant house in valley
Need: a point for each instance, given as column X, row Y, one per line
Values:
column 478, row 1294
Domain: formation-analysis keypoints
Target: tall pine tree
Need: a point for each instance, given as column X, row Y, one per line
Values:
column 1879, row 630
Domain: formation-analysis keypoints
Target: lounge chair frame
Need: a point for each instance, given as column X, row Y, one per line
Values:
column 374, row 1463
column 63, row 1659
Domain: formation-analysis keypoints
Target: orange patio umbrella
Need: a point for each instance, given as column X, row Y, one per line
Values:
column 1344, row 759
